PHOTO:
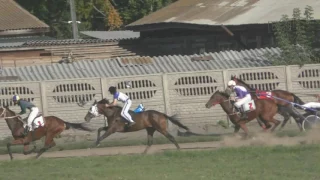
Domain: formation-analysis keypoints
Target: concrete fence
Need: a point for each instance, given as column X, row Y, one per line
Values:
column 172, row 93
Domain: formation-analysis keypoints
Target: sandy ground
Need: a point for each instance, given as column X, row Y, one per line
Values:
column 265, row 139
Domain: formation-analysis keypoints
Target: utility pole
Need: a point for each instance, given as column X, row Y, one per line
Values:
column 74, row 19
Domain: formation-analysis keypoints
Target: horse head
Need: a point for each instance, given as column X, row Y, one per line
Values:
column 217, row 98
column 98, row 108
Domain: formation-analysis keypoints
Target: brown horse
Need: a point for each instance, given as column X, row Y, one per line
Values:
column 265, row 110
column 285, row 108
column 150, row 120
column 53, row 126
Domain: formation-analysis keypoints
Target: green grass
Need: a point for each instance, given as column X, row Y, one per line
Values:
column 246, row 163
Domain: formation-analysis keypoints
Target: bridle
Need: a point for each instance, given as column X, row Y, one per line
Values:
column 227, row 100
column 3, row 114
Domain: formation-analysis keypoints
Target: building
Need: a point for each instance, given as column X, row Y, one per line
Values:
column 197, row 26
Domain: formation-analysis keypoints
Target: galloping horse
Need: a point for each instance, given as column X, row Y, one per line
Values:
column 265, row 110
column 150, row 120
column 52, row 127
column 284, row 108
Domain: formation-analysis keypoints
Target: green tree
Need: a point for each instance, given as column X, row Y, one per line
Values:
column 94, row 14
column 296, row 37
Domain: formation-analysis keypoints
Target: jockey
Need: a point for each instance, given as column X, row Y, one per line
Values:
column 243, row 96
column 26, row 105
column 127, row 103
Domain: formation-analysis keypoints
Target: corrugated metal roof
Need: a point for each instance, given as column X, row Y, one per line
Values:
column 227, row 12
column 60, row 42
column 10, row 44
column 161, row 64
column 112, row 35
column 14, row 17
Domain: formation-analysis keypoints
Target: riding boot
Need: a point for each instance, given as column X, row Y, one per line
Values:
column 132, row 123
column 26, row 130
column 244, row 116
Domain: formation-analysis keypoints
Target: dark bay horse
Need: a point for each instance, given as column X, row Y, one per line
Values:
column 265, row 110
column 285, row 109
column 53, row 127
column 150, row 120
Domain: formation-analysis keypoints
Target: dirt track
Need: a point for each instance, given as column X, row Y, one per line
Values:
column 259, row 139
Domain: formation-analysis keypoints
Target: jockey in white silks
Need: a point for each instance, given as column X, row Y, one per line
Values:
column 127, row 104
column 243, row 96
column 26, row 105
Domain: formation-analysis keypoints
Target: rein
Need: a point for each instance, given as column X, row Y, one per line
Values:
column 3, row 115
column 227, row 100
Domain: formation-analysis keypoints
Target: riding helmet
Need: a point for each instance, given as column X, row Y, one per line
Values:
column 15, row 98
column 112, row 89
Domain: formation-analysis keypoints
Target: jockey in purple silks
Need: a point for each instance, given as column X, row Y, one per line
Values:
column 243, row 96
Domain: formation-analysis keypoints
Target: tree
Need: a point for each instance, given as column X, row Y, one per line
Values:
column 97, row 15
column 296, row 37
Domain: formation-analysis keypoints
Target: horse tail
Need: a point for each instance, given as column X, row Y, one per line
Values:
column 79, row 126
column 175, row 121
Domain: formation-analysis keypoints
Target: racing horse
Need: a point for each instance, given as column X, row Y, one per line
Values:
column 265, row 110
column 282, row 99
column 51, row 127
column 150, row 120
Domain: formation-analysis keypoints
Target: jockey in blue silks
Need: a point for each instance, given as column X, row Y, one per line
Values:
column 119, row 96
column 243, row 96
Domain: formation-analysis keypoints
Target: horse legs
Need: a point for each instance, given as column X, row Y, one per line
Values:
column 99, row 131
column 245, row 129
column 276, row 123
column 150, row 131
column 24, row 141
column 105, row 135
column 26, row 150
column 49, row 143
column 296, row 116
column 170, row 137
column 285, row 115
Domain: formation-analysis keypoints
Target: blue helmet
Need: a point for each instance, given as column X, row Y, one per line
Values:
column 15, row 98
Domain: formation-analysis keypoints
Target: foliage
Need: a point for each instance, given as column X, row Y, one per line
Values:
column 296, row 37
column 96, row 15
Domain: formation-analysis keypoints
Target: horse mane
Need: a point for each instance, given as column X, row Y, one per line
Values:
column 106, row 101
column 242, row 82
column 224, row 94
column 103, row 101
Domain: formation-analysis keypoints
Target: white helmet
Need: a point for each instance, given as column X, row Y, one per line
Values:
column 231, row 83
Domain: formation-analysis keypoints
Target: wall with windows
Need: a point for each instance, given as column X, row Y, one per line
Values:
column 184, row 94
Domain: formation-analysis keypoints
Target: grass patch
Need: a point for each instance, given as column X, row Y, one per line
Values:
column 245, row 163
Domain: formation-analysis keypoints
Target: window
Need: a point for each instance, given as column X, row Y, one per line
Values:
column 138, row 84
column 72, row 98
column 194, row 90
column 262, row 77
column 22, row 92
column 309, row 83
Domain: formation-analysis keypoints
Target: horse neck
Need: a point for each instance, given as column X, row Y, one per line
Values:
column 226, row 106
column 13, row 122
column 111, row 111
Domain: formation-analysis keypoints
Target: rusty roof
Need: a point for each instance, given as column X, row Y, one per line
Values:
column 227, row 12
column 14, row 17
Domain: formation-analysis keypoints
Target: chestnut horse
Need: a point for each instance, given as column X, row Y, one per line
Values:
column 53, row 127
column 265, row 110
column 285, row 108
column 150, row 120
